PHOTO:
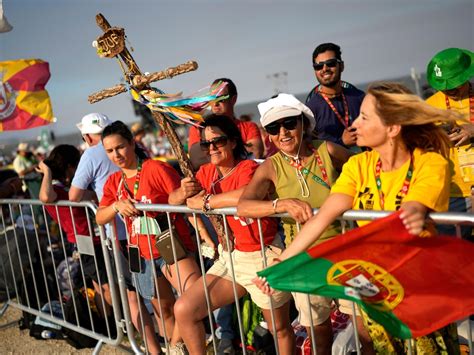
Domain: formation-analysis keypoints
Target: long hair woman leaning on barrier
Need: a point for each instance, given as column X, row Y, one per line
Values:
column 143, row 180
column 298, row 178
column 222, row 182
column 405, row 168
column 58, row 169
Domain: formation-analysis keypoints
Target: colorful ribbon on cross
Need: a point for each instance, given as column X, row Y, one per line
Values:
column 178, row 108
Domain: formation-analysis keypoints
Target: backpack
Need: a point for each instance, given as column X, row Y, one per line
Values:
column 40, row 325
column 69, row 270
column 75, row 339
column 256, row 337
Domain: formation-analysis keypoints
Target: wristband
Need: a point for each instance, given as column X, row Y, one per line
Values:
column 115, row 207
column 274, row 204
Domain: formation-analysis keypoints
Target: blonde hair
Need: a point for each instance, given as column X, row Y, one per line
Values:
column 397, row 105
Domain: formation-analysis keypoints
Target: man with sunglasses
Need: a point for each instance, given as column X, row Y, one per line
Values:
column 249, row 130
column 334, row 103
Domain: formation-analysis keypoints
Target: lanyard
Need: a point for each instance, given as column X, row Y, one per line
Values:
column 218, row 179
column 297, row 164
column 406, row 184
column 137, row 181
column 471, row 103
column 344, row 121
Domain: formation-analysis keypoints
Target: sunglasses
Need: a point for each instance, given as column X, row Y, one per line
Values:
column 288, row 123
column 217, row 142
column 330, row 63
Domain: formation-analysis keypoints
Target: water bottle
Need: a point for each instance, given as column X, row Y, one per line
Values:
column 47, row 334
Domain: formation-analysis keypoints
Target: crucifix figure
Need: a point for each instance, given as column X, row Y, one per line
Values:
column 112, row 44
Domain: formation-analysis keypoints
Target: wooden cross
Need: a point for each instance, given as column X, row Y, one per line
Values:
column 112, row 44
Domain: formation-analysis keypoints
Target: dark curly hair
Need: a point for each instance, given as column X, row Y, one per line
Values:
column 62, row 157
column 324, row 47
column 230, row 129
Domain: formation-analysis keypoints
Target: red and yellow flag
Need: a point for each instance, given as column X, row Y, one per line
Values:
column 410, row 285
column 24, row 102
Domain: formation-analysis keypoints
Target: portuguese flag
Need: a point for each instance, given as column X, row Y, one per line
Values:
column 24, row 101
column 411, row 285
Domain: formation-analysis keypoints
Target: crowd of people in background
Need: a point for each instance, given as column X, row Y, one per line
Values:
column 343, row 149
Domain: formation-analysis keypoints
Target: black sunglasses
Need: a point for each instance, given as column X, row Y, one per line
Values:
column 217, row 142
column 288, row 123
column 330, row 63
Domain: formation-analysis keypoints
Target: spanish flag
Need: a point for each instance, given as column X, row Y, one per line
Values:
column 24, row 102
column 410, row 285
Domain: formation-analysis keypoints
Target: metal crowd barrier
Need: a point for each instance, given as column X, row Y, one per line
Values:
column 29, row 269
column 117, row 275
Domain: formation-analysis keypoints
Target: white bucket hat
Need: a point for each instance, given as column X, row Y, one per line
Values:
column 284, row 105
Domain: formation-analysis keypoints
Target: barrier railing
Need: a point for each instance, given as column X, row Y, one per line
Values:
column 22, row 245
column 350, row 216
column 39, row 271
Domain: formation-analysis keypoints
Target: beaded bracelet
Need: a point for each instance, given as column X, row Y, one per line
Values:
column 114, row 207
column 205, row 206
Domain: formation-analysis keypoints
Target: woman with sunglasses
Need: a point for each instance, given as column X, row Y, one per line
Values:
column 298, row 178
column 405, row 169
column 221, row 183
column 143, row 180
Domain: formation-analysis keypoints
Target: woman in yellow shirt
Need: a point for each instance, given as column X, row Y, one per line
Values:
column 406, row 168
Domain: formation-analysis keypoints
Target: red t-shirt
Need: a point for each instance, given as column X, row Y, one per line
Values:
column 157, row 180
column 245, row 230
column 248, row 130
column 67, row 225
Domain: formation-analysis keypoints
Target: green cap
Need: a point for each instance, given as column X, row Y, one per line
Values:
column 450, row 68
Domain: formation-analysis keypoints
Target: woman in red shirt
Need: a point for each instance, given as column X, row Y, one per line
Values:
column 219, row 184
column 58, row 170
column 143, row 180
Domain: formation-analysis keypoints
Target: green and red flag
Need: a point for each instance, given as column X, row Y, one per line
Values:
column 411, row 285
column 24, row 101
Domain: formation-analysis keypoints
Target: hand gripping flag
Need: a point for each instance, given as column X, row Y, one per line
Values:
column 24, row 102
column 411, row 285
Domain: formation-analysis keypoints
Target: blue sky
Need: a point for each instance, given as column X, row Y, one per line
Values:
column 245, row 40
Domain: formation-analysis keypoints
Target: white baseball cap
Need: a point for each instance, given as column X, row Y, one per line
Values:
column 284, row 105
column 93, row 123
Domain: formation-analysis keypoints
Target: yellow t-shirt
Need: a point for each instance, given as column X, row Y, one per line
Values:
column 428, row 185
column 461, row 182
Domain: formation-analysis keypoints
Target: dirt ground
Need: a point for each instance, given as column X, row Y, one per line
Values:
column 16, row 341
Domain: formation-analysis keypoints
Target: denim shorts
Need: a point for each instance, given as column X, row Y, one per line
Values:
column 144, row 281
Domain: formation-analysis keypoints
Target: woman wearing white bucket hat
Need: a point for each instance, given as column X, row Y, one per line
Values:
column 298, row 178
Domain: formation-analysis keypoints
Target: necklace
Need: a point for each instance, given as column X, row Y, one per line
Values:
column 471, row 103
column 403, row 190
column 296, row 163
column 136, row 183
column 331, row 96
column 344, row 121
column 218, row 179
